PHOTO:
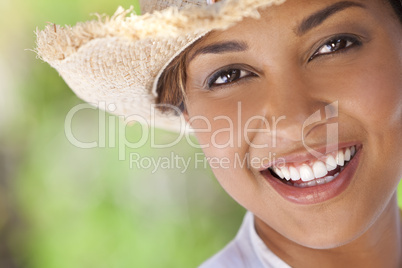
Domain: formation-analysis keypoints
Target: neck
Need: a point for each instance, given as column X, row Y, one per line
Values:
column 379, row 246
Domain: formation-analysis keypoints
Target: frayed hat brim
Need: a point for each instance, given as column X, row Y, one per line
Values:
column 117, row 60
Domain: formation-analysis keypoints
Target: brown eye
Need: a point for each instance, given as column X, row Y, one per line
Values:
column 335, row 45
column 227, row 76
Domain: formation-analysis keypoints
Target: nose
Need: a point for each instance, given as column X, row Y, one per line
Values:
column 300, row 115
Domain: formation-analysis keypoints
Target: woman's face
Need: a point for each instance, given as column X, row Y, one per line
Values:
column 304, row 83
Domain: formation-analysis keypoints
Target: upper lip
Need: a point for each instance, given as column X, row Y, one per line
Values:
column 303, row 155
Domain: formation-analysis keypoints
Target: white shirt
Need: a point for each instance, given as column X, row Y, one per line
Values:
column 245, row 250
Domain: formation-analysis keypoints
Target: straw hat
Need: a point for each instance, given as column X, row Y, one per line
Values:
column 117, row 60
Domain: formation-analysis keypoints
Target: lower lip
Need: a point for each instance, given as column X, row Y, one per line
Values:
column 320, row 193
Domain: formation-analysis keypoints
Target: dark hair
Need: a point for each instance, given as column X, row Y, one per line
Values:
column 397, row 6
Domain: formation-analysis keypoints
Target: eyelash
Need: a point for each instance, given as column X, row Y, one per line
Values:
column 229, row 70
column 349, row 42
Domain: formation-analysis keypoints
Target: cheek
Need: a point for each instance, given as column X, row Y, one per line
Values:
column 224, row 143
column 369, row 89
column 370, row 103
column 213, row 124
column 376, row 106
column 222, row 121
column 377, row 96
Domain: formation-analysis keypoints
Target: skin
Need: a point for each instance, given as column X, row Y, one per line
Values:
column 360, row 227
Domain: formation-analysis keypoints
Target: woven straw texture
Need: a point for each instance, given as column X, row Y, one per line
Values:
column 118, row 60
column 148, row 6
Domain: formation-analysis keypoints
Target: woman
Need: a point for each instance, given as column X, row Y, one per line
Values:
column 301, row 106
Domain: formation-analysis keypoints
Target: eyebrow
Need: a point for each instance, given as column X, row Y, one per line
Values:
column 320, row 16
column 307, row 24
column 219, row 48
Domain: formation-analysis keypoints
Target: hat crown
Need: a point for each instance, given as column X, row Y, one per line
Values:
column 147, row 6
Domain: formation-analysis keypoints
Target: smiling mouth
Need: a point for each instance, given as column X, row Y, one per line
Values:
column 313, row 173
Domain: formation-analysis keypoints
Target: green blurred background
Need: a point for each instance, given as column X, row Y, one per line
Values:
column 62, row 206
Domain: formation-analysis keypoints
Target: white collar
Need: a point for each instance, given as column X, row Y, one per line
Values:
column 266, row 256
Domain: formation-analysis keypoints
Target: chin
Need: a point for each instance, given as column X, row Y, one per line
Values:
column 329, row 239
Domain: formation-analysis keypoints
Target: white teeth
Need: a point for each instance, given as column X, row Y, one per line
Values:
column 347, row 154
column 294, row 174
column 311, row 183
column 278, row 172
column 340, row 158
column 306, row 174
column 314, row 173
column 352, row 150
column 286, row 173
column 329, row 179
column 319, row 169
column 330, row 163
column 315, row 182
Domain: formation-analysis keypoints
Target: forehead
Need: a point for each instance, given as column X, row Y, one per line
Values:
column 291, row 18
